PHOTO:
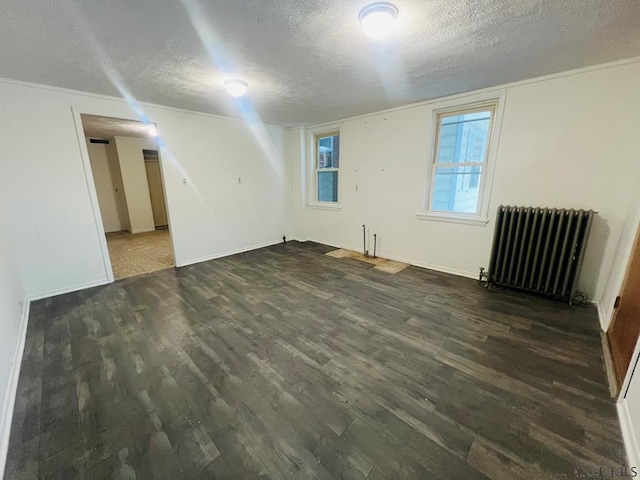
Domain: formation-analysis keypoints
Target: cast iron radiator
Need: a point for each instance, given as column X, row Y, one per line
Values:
column 539, row 249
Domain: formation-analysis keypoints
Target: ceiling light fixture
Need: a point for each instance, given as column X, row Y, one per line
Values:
column 236, row 88
column 151, row 129
column 378, row 19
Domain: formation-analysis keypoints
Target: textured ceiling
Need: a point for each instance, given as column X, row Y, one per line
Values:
column 307, row 61
column 107, row 127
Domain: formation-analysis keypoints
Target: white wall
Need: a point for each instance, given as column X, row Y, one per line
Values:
column 13, row 304
column 52, row 227
column 134, row 179
column 629, row 411
column 622, row 256
column 12, row 301
column 629, row 401
column 567, row 141
column 296, row 194
column 108, row 189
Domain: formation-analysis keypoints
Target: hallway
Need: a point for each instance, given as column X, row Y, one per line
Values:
column 141, row 253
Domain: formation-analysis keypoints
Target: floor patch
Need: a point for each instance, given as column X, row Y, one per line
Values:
column 382, row 264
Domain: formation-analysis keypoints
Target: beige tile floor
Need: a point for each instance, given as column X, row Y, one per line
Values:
column 138, row 254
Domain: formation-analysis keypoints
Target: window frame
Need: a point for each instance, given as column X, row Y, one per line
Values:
column 492, row 101
column 313, row 137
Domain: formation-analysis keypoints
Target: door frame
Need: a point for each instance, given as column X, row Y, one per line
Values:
column 620, row 382
column 162, row 186
column 76, row 113
column 634, row 362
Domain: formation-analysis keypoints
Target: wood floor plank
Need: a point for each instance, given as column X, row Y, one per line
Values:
column 286, row 363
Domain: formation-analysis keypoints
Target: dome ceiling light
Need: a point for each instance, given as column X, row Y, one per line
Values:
column 236, row 88
column 378, row 19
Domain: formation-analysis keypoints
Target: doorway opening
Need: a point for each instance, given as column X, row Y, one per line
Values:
column 127, row 173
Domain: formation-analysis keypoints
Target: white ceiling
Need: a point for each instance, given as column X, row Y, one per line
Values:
column 106, row 127
column 307, row 61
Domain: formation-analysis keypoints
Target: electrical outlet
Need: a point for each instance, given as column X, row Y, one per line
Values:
column 184, row 182
column 356, row 188
column 239, row 180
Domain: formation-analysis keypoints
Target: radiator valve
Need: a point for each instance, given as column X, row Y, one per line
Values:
column 482, row 276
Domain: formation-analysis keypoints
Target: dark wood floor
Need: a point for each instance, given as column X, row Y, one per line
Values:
column 286, row 363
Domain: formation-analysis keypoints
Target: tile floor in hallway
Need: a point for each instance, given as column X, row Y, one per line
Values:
column 141, row 253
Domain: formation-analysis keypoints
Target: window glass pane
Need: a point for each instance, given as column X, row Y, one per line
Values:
column 328, row 186
column 463, row 138
column 456, row 189
column 329, row 152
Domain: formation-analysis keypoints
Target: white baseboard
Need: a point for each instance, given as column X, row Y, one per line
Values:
column 439, row 268
column 416, row 263
column 12, row 388
column 227, row 253
column 69, row 289
column 629, row 436
column 105, row 281
column 602, row 316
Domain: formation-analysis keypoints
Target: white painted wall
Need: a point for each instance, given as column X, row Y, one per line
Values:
column 629, row 411
column 52, row 228
column 566, row 141
column 12, row 326
column 296, row 191
column 134, row 179
column 622, row 256
column 629, row 401
column 108, row 189
column 13, row 303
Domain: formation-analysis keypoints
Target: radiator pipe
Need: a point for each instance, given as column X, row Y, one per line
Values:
column 364, row 241
column 375, row 240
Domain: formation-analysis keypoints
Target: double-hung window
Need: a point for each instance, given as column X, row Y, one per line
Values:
column 459, row 169
column 327, row 166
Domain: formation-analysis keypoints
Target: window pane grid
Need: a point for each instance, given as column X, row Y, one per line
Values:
column 327, row 186
column 461, row 149
column 327, row 164
column 456, row 165
column 444, row 122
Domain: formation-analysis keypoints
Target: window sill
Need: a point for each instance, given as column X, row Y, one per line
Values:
column 443, row 217
column 321, row 206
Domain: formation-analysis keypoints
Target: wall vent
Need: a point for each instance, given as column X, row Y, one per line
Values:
column 150, row 154
column 99, row 140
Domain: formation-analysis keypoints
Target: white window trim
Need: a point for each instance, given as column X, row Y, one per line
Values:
column 312, row 183
column 329, row 206
column 453, row 218
column 486, row 183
